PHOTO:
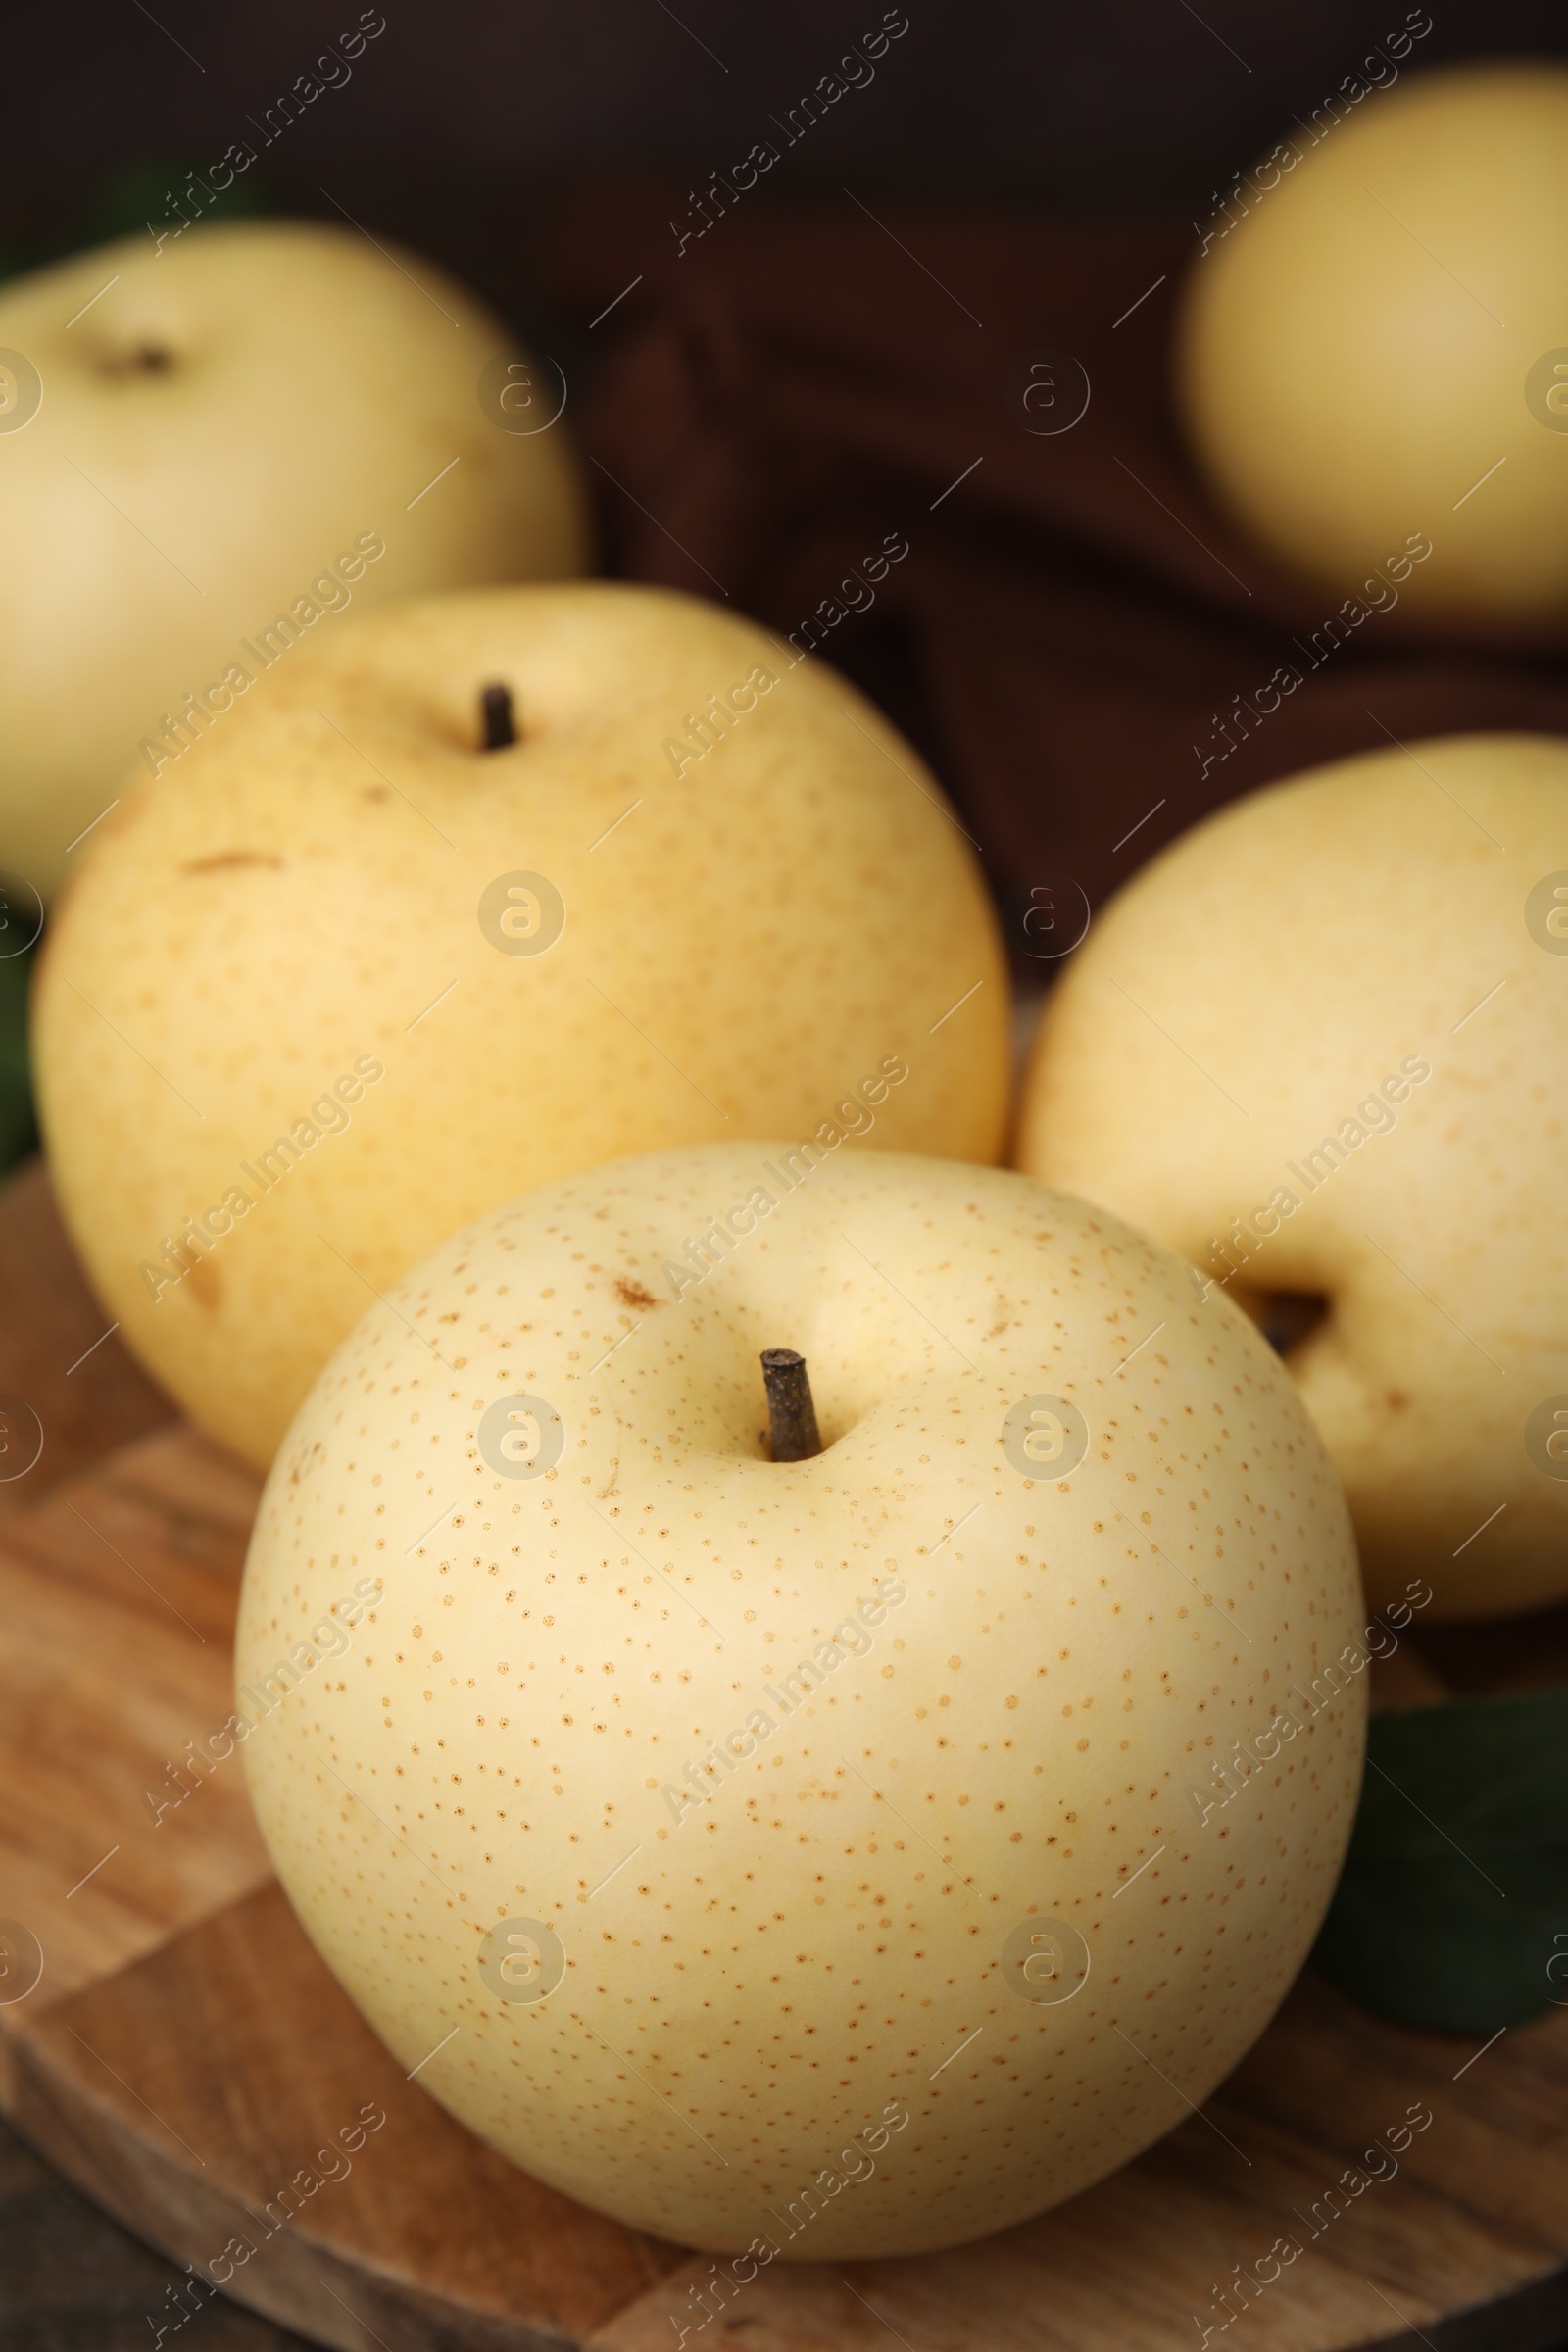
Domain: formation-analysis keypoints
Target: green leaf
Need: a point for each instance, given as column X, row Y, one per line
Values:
column 1452, row 1909
column 19, row 1134
column 126, row 200
column 140, row 192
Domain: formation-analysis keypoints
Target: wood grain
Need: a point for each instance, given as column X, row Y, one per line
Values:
column 204, row 2079
column 60, row 1357
column 187, row 2060
column 73, row 2281
column 115, row 1622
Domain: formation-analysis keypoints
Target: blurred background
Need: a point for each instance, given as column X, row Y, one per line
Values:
column 466, row 122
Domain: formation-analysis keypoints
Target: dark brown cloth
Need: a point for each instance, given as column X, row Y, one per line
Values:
column 1072, row 621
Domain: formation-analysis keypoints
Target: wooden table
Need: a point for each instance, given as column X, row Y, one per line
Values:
column 183, row 2053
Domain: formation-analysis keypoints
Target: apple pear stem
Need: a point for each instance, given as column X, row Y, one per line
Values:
column 495, row 711
column 791, row 1414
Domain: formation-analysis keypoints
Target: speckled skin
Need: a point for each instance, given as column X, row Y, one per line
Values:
column 307, row 388
column 741, row 952
column 1296, row 948
column 754, row 1980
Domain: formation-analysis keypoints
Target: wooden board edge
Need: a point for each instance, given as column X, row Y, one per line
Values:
column 1532, row 2317
column 163, row 2202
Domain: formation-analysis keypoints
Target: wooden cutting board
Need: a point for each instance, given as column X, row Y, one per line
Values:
column 183, row 2054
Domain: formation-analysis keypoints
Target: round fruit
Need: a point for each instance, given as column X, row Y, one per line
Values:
column 1318, row 1046
column 343, row 977
column 212, row 448
column 1374, row 358
column 854, row 1854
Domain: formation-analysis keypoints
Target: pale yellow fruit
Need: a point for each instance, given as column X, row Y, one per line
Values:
column 1238, row 1009
column 1382, row 330
column 323, row 886
column 1072, row 1538
column 219, row 422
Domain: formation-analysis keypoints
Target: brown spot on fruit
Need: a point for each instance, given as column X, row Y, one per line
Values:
column 206, row 1283
column 142, row 358
column 631, row 1292
column 303, row 1463
column 223, row 861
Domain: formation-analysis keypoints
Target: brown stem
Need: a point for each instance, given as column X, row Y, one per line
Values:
column 495, row 711
column 791, row 1413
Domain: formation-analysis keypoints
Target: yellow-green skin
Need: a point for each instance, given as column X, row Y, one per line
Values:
column 745, row 942
column 1368, row 340
column 221, row 419
column 1237, row 1004
column 759, row 1983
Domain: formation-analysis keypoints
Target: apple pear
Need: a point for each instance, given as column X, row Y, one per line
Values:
column 342, row 976
column 833, row 1856
column 1372, row 359
column 212, row 447
column 1318, row 1045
